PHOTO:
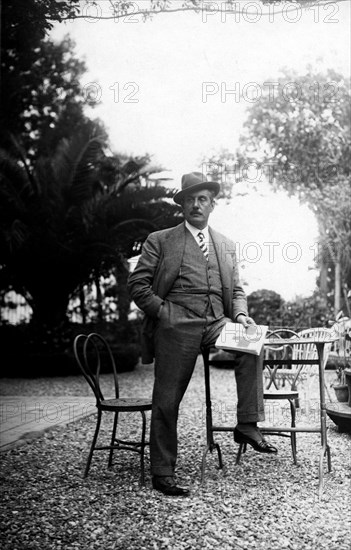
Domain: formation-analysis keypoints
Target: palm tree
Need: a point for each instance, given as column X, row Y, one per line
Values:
column 73, row 214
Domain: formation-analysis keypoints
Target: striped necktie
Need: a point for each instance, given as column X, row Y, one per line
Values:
column 202, row 244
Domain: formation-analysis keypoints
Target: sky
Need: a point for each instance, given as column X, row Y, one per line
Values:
column 178, row 87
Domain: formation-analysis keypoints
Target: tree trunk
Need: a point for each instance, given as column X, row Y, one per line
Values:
column 346, row 299
column 83, row 311
column 337, row 287
column 100, row 312
column 324, row 278
column 123, row 299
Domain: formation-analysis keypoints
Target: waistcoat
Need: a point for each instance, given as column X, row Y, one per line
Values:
column 198, row 283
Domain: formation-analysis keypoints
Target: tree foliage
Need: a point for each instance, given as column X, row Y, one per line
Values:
column 118, row 9
column 35, row 18
column 265, row 306
column 268, row 308
column 41, row 89
column 68, row 211
column 298, row 133
column 62, row 220
column 24, row 25
column 303, row 313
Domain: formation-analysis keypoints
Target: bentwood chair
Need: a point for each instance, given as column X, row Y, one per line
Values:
column 91, row 351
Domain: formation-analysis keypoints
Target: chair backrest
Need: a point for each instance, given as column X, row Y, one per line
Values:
column 280, row 352
column 278, row 376
column 309, row 351
column 91, row 352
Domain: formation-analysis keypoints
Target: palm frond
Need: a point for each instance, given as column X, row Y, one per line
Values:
column 15, row 187
column 75, row 165
column 22, row 156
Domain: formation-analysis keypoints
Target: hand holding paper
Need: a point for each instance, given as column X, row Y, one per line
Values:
column 234, row 337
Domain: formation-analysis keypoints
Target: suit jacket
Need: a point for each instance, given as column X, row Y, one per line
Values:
column 158, row 267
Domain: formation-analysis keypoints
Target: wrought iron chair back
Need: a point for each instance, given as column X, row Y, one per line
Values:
column 277, row 375
column 296, row 352
column 278, row 371
column 309, row 351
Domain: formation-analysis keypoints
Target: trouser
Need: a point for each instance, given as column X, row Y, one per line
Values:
column 179, row 334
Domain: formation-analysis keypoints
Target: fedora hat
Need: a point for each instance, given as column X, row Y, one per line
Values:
column 195, row 181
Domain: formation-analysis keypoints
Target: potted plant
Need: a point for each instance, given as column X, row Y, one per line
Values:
column 340, row 413
column 340, row 387
column 343, row 362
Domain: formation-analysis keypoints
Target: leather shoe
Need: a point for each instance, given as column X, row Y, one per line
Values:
column 260, row 446
column 167, row 486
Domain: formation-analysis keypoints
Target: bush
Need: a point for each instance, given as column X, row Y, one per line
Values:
column 302, row 313
column 268, row 308
column 28, row 352
column 265, row 306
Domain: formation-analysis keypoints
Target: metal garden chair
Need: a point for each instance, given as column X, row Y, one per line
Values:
column 296, row 354
column 278, row 377
column 90, row 351
column 309, row 352
column 280, row 353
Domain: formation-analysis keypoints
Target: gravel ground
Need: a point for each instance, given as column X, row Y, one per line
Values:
column 266, row 502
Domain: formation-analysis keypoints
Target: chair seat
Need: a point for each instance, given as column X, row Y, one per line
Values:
column 281, row 394
column 126, row 404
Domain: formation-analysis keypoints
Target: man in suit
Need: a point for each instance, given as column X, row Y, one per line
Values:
column 187, row 283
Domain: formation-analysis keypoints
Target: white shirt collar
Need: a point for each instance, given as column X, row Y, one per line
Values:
column 194, row 231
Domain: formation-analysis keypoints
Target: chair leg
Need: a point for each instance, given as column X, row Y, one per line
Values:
column 329, row 458
column 297, row 400
column 203, row 463
column 142, row 449
column 210, row 447
column 114, row 429
column 242, row 449
column 293, row 425
column 98, row 422
column 219, row 453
